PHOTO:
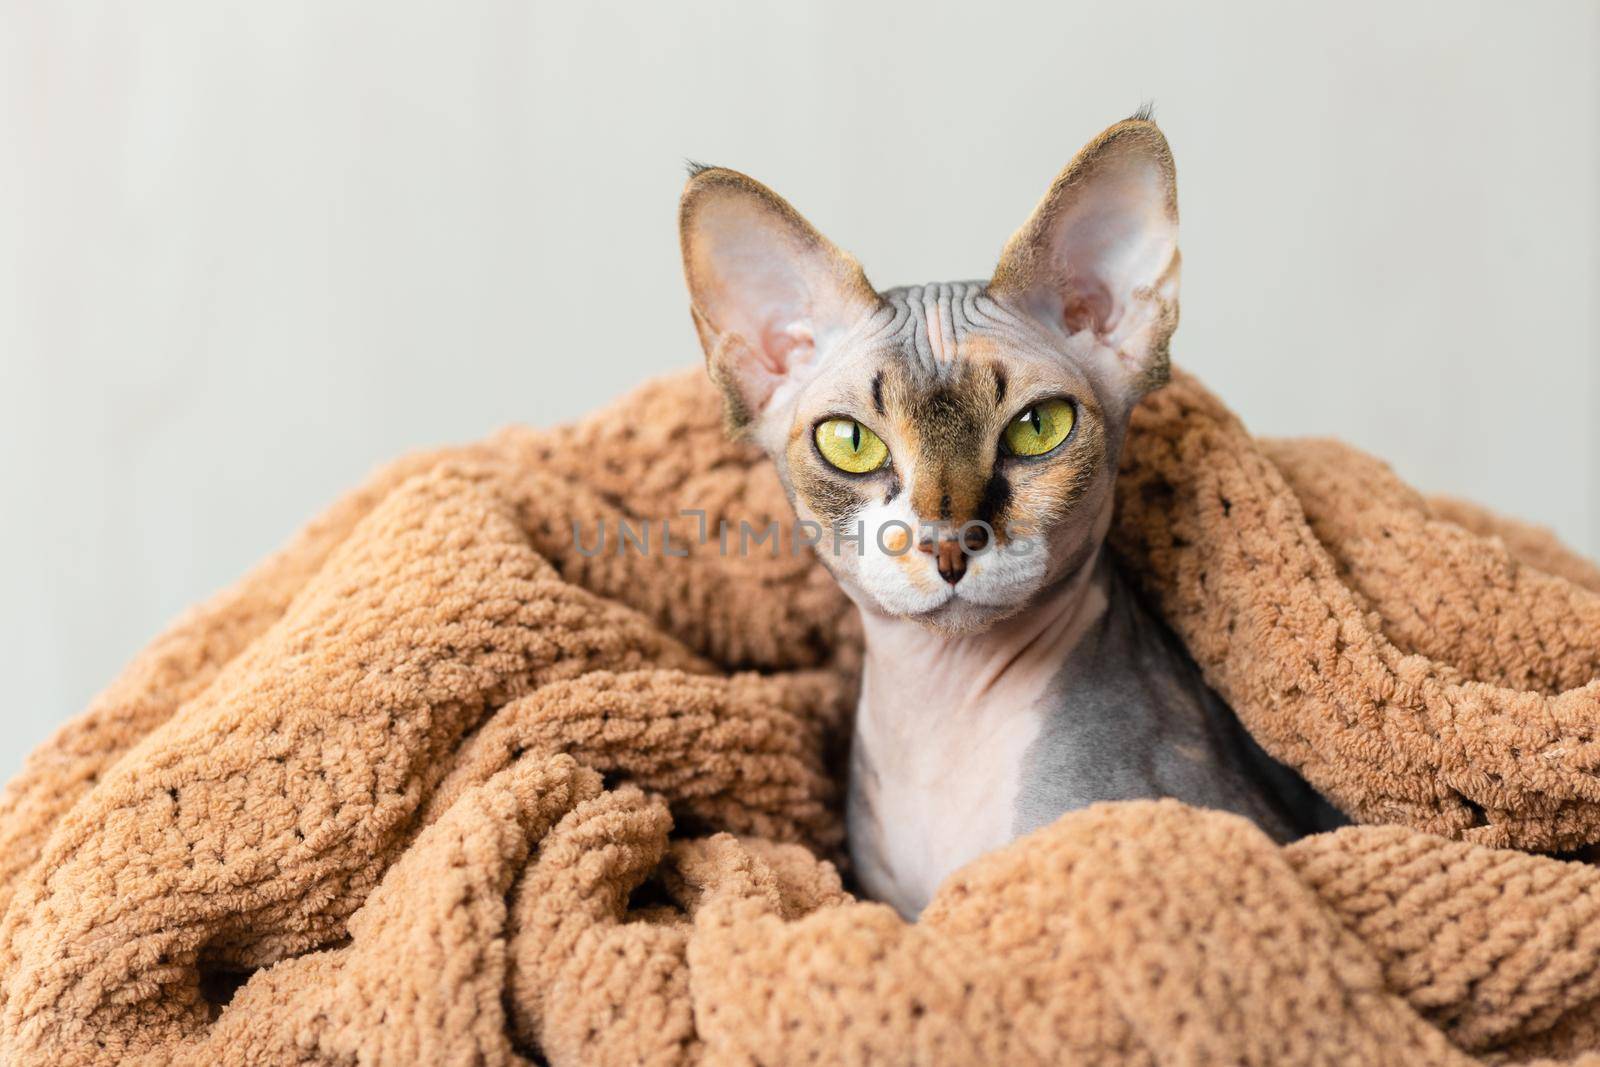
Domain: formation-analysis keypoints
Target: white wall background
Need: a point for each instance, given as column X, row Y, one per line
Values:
column 248, row 251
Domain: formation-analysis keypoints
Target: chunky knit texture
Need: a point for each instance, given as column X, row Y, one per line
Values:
column 430, row 786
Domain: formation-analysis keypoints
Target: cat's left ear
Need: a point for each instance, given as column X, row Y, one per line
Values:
column 767, row 291
column 1100, row 252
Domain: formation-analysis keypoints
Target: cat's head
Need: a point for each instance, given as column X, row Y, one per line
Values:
column 969, row 432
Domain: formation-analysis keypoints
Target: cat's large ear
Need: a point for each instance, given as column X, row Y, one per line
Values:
column 767, row 291
column 1100, row 252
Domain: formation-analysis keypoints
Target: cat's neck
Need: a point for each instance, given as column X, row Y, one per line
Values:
column 913, row 671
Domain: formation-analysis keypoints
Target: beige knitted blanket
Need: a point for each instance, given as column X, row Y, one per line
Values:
column 431, row 786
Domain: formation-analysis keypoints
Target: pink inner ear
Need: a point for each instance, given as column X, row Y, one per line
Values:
column 779, row 349
column 1111, row 246
column 1089, row 307
column 784, row 346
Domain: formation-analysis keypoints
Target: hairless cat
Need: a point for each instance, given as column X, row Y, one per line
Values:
column 958, row 443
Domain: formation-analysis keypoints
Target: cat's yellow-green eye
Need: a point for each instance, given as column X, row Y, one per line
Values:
column 850, row 446
column 1040, row 428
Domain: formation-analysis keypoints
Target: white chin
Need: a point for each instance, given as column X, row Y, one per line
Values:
column 966, row 606
column 912, row 603
column 958, row 615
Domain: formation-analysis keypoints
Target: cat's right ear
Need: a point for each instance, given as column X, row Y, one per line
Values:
column 767, row 291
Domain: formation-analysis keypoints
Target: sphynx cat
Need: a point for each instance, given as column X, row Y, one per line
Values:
column 958, row 443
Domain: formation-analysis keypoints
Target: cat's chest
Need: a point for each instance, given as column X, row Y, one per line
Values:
column 934, row 784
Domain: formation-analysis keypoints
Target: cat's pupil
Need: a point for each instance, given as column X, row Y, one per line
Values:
column 855, row 437
column 1033, row 417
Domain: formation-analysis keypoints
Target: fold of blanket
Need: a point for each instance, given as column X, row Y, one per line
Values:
column 437, row 783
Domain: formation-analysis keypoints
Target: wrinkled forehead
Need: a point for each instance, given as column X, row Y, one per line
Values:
column 950, row 338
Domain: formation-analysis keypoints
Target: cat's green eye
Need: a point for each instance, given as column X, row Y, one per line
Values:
column 1040, row 428
column 850, row 446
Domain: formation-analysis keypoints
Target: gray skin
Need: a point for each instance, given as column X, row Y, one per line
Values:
column 1130, row 717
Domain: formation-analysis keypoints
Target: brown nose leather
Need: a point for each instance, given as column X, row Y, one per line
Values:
column 952, row 561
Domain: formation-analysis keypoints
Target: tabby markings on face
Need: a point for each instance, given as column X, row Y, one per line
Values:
column 944, row 421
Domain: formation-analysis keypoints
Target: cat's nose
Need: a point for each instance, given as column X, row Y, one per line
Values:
column 951, row 559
